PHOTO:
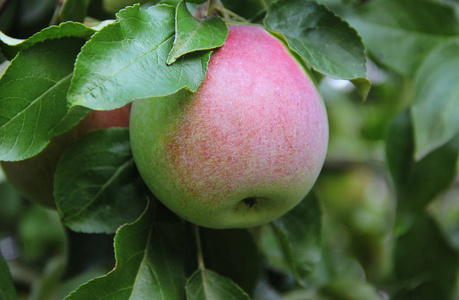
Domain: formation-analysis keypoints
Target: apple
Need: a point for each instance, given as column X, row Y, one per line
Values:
column 246, row 147
column 34, row 177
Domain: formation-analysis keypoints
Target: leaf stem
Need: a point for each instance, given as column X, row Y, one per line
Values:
column 230, row 13
column 264, row 4
column 55, row 20
column 199, row 248
column 225, row 15
column 209, row 8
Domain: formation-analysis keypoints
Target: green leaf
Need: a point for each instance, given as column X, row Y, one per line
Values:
column 73, row 117
column 323, row 39
column 425, row 263
column 208, row 285
column 33, row 98
column 363, row 86
column 399, row 150
column 418, row 183
column 226, row 251
column 10, row 46
column 192, row 34
column 432, row 175
column 272, row 248
column 435, row 111
column 74, row 10
column 97, row 186
column 126, row 60
column 7, row 291
column 299, row 233
column 150, row 261
column 399, row 34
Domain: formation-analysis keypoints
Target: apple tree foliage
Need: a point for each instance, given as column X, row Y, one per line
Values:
column 381, row 223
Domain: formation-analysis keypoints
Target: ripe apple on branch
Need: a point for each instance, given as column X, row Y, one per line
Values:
column 246, row 147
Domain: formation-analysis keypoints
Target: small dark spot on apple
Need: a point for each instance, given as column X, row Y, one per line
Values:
column 250, row 202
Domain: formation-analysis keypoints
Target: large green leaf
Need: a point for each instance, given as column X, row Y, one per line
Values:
column 126, row 60
column 400, row 34
column 299, row 234
column 97, row 186
column 10, row 46
column 33, row 106
column 150, row 262
column 425, row 263
column 7, row 291
column 208, row 285
column 418, row 183
column 323, row 39
column 435, row 110
column 193, row 34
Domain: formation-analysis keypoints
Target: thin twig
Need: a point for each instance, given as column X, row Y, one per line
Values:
column 199, row 248
column 225, row 15
column 209, row 8
column 264, row 4
column 230, row 13
column 55, row 20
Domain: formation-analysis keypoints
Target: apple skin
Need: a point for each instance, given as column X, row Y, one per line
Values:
column 246, row 147
column 34, row 177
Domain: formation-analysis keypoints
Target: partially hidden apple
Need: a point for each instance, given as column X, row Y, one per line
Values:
column 34, row 177
column 246, row 147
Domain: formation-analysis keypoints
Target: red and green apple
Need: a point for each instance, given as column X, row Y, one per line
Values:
column 246, row 147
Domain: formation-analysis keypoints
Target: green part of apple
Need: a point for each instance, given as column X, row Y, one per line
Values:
column 34, row 177
column 246, row 147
